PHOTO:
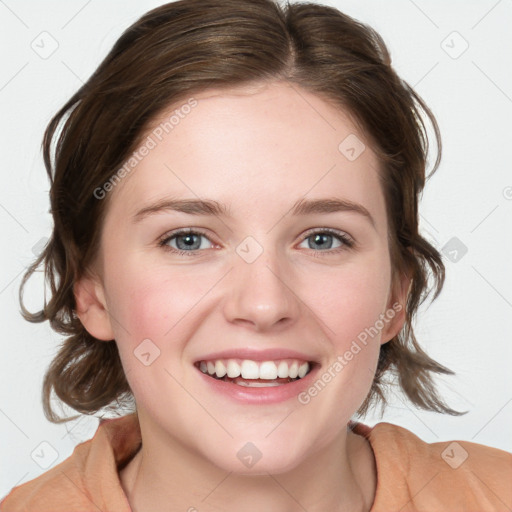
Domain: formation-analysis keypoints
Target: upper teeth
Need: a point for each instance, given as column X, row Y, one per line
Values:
column 249, row 369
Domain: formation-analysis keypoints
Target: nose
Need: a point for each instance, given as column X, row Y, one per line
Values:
column 260, row 295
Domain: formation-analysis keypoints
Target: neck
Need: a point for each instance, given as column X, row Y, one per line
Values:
column 167, row 476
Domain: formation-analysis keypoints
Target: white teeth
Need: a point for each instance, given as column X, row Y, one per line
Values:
column 233, row 369
column 303, row 369
column 248, row 369
column 220, row 369
column 293, row 371
column 282, row 370
column 268, row 370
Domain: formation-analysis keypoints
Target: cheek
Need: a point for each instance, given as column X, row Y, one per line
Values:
column 148, row 308
column 350, row 300
column 148, row 301
column 348, row 304
column 155, row 311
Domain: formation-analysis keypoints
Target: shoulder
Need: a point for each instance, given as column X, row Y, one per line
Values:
column 62, row 482
column 449, row 475
column 86, row 480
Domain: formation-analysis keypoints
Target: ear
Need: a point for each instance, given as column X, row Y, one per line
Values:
column 396, row 307
column 91, row 307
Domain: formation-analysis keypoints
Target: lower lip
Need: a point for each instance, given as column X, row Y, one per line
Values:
column 264, row 395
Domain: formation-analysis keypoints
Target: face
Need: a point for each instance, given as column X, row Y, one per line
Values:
column 293, row 268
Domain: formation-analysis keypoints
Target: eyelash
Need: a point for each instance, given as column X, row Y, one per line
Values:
column 347, row 242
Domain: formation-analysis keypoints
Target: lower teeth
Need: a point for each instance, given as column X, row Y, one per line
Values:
column 258, row 384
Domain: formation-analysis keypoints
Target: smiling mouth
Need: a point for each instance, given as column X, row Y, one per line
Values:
column 250, row 373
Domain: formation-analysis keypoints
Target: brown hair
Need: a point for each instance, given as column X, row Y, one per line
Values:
column 183, row 48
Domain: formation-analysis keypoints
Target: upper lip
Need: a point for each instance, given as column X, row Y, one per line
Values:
column 253, row 354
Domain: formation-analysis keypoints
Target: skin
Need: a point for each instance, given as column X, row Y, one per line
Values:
column 257, row 149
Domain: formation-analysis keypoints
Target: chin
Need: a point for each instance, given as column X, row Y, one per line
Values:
column 257, row 458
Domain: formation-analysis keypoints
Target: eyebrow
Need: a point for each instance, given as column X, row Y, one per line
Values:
column 211, row 207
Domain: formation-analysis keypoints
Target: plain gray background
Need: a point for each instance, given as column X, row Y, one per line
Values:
column 457, row 56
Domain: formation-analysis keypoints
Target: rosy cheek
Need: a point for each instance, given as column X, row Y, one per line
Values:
column 154, row 303
column 350, row 302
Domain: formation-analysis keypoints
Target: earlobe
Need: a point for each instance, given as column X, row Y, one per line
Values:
column 91, row 308
column 397, row 308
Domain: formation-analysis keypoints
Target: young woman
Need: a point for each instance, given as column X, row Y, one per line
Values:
column 236, row 248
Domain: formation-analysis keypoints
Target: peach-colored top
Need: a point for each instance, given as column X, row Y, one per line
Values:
column 411, row 475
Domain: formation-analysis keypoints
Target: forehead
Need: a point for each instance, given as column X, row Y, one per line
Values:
column 259, row 142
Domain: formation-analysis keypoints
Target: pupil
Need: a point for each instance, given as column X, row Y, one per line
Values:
column 188, row 241
column 320, row 238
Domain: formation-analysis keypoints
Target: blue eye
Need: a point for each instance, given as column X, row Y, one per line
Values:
column 186, row 241
column 323, row 240
column 189, row 241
